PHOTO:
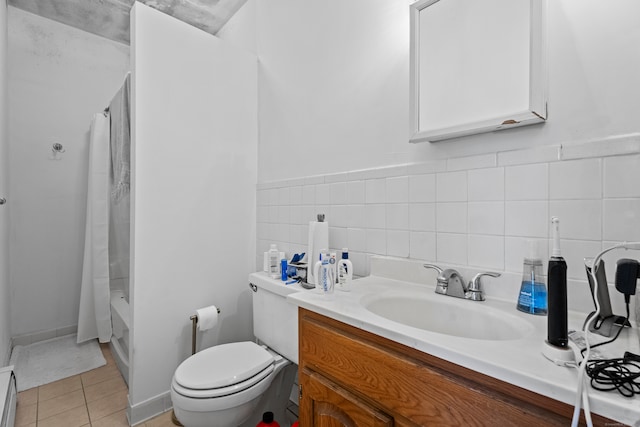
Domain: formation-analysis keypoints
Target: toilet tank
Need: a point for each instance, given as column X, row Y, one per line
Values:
column 275, row 321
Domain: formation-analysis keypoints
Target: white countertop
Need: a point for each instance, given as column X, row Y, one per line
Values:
column 517, row 361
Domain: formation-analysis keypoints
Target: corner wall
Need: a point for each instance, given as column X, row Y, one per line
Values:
column 194, row 138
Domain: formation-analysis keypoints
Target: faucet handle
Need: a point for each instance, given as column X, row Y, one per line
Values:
column 434, row 267
column 441, row 282
column 474, row 292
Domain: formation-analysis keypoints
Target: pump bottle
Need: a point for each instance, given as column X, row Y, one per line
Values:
column 557, row 328
column 533, row 292
column 345, row 272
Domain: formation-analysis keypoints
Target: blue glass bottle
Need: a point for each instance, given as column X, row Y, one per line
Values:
column 533, row 291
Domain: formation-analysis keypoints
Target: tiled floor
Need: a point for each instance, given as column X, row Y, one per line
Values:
column 97, row 398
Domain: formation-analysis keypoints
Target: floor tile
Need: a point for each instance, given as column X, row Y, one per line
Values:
column 163, row 420
column 106, row 352
column 60, row 404
column 119, row 419
column 28, row 397
column 107, row 405
column 76, row 417
column 104, row 388
column 100, row 374
column 58, row 388
column 26, row 414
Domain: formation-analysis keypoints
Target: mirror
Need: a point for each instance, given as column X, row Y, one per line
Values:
column 476, row 66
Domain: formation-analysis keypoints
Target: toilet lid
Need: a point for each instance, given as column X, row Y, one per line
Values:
column 223, row 365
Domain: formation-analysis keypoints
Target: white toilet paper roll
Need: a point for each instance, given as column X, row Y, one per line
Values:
column 207, row 317
column 318, row 240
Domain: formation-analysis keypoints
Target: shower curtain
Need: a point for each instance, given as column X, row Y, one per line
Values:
column 94, row 317
column 106, row 252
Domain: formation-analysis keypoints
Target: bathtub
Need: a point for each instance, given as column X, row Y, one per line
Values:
column 120, row 339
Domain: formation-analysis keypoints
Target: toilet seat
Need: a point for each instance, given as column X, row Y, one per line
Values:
column 223, row 370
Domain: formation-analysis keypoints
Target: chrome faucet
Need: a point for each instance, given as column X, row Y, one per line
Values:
column 451, row 283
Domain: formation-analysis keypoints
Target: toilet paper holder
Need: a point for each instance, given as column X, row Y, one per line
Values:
column 194, row 325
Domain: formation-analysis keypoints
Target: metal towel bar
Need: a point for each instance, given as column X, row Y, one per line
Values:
column 194, row 324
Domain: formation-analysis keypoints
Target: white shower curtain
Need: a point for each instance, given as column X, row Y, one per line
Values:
column 94, row 317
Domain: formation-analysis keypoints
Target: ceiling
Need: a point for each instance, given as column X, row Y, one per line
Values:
column 110, row 18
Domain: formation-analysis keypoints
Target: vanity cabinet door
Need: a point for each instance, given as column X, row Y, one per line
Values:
column 325, row 404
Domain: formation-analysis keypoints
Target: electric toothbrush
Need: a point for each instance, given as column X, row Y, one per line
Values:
column 557, row 328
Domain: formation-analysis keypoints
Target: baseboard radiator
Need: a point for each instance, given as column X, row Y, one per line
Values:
column 8, row 397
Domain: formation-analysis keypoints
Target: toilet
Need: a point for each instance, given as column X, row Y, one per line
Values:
column 232, row 384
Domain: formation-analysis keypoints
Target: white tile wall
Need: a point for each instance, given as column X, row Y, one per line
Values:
column 527, row 182
column 422, row 188
column 579, row 219
column 486, row 252
column 398, row 243
column 422, row 216
column 486, row 218
column 375, row 216
column 398, row 216
column 451, row 217
column 375, row 190
column 465, row 213
column 451, row 187
column 622, row 176
column 422, row 245
column 451, row 248
column 621, row 219
column 486, row 184
column 355, row 192
column 575, row 179
column 398, row 189
column 527, row 219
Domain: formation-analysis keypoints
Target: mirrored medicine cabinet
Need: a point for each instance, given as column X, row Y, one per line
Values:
column 476, row 66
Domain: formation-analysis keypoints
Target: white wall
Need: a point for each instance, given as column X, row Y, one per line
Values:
column 334, row 84
column 5, row 342
column 58, row 78
column 194, row 160
column 241, row 29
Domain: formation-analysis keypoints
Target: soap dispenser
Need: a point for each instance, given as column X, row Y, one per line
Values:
column 533, row 292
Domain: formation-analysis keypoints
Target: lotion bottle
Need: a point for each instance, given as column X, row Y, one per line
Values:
column 345, row 272
column 557, row 327
column 274, row 262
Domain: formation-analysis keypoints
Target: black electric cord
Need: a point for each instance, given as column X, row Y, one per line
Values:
column 621, row 374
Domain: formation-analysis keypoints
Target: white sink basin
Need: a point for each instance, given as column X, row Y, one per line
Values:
column 449, row 316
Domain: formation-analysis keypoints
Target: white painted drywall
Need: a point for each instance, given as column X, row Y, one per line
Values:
column 241, row 29
column 58, row 78
column 5, row 341
column 334, row 84
column 193, row 194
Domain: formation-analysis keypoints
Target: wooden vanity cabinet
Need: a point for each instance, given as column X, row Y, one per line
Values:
column 350, row 377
